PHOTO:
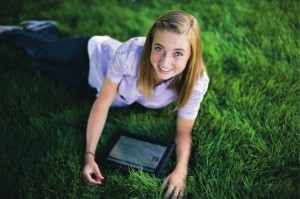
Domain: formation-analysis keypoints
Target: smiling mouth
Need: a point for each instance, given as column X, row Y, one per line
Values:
column 165, row 69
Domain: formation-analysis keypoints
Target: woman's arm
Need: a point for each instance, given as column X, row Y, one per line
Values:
column 95, row 126
column 177, row 179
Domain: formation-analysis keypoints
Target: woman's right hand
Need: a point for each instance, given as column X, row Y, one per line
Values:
column 95, row 126
column 91, row 171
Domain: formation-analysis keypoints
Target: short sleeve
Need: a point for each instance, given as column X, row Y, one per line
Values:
column 101, row 50
column 116, row 68
column 126, row 59
column 190, row 110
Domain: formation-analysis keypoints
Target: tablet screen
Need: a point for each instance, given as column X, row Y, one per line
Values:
column 137, row 153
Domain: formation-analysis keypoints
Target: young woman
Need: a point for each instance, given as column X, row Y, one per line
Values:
column 165, row 66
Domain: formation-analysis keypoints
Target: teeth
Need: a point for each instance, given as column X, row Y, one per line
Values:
column 165, row 69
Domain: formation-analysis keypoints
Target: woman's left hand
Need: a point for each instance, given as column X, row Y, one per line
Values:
column 176, row 182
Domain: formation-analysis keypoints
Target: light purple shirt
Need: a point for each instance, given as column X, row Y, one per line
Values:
column 119, row 62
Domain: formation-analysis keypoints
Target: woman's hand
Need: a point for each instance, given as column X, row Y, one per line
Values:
column 91, row 171
column 175, row 182
column 95, row 126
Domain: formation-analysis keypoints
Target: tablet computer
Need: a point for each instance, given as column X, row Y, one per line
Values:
column 128, row 150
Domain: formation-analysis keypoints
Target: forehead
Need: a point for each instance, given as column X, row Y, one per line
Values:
column 171, row 39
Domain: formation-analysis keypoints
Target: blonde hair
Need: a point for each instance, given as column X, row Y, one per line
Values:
column 183, row 83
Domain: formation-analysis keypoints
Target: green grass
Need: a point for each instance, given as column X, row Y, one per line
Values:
column 246, row 137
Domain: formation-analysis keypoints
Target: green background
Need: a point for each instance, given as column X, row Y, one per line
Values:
column 246, row 137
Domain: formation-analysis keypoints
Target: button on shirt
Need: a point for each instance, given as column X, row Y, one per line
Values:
column 119, row 62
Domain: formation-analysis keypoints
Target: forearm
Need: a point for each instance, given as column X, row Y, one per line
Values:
column 183, row 143
column 99, row 113
column 95, row 126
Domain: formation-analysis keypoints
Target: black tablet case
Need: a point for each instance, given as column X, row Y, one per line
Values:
column 124, row 165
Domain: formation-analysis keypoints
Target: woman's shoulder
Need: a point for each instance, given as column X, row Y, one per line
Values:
column 129, row 54
column 132, row 44
column 102, row 43
column 202, row 83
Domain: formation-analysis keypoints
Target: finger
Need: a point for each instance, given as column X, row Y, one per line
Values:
column 164, row 184
column 95, row 183
column 88, row 177
column 169, row 191
column 181, row 194
column 176, row 193
column 98, row 174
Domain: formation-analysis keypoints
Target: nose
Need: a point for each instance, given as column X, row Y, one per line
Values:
column 166, row 60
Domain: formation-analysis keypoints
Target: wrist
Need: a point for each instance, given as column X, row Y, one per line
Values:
column 89, row 156
column 89, row 153
column 182, row 168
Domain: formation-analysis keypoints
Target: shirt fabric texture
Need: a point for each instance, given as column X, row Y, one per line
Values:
column 119, row 62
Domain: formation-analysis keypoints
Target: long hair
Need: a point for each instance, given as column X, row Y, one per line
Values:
column 183, row 84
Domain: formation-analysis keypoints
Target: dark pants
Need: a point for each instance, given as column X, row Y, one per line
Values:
column 63, row 60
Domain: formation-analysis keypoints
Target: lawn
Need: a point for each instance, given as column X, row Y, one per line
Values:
column 246, row 136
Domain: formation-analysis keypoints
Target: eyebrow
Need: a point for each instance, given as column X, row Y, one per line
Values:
column 180, row 49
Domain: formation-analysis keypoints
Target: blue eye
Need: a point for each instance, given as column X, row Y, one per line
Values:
column 178, row 54
column 158, row 49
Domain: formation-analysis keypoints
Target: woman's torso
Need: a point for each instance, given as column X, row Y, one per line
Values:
column 119, row 62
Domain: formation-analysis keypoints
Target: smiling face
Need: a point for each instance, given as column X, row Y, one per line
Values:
column 170, row 53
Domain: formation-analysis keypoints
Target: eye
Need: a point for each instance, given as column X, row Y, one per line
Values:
column 178, row 54
column 158, row 49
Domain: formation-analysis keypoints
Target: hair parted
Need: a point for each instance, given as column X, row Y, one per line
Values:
column 183, row 84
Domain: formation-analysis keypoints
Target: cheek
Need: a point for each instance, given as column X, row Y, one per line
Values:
column 154, row 57
column 180, row 66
